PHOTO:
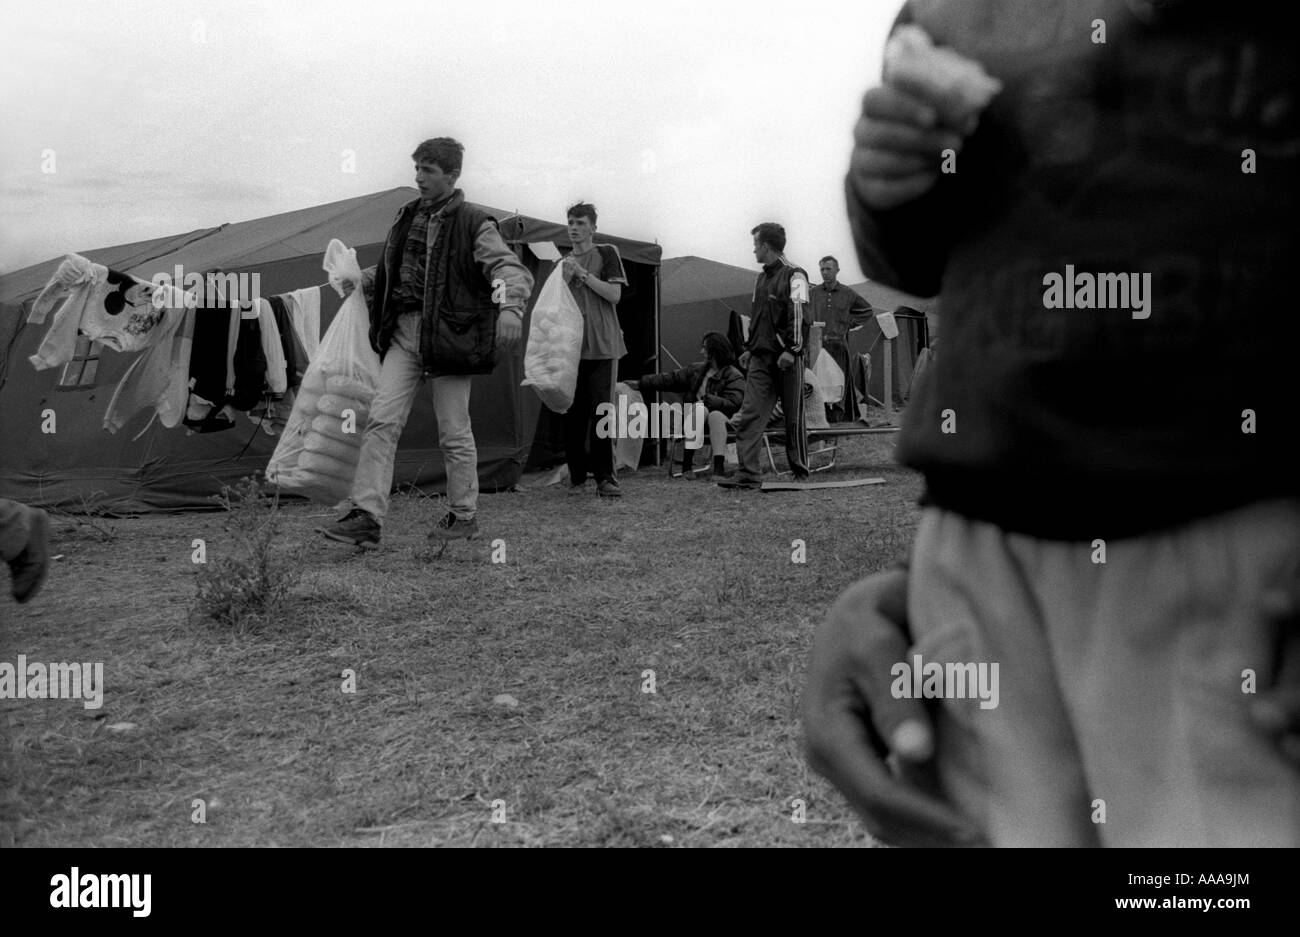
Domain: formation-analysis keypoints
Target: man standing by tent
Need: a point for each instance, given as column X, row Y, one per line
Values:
column 595, row 274
column 433, row 313
column 837, row 306
column 778, row 332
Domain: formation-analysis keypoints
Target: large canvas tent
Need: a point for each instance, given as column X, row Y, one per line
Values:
column 80, row 464
column 698, row 295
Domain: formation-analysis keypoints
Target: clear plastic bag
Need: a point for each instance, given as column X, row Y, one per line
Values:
column 554, row 344
column 318, row 451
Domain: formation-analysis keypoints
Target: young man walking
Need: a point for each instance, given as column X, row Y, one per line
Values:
column 433, row 313
column 778, row 332
column 596, row 277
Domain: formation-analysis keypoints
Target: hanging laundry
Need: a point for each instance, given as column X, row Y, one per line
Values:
column 198, row 409
column 158, row 379
column 305, row 308
column 249, row 366
column 208, row 366
column 272, row 350
column 295, row 358
column 215, row 422
column 113, row 308
column 232, row 344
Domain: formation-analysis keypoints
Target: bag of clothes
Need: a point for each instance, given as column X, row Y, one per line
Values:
column 321, row 444
column 554, row 344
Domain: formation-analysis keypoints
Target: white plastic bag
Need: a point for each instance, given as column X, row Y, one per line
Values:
column 830, row 378
column 321, row 443
column 554, row 344
column 627, row 449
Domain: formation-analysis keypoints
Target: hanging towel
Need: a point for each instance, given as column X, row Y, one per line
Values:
column 305, row 307
column 272, row 349
column 295, row 359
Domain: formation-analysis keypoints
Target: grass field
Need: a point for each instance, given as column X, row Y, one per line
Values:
column 680, row 578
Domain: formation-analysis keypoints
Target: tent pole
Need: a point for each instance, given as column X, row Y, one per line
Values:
column 889, row 383
column 658, row 443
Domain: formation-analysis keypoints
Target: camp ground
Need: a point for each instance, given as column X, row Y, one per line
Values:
column 595, row 674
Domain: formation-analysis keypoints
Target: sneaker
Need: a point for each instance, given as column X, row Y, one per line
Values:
column 30, row 566
column 452, row 527
column 578, row 488
column 689, row 475
column 357, row 527
column 802, row 477
column 740, row 482
column 609, row 488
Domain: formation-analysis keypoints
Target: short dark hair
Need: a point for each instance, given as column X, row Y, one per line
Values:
column 826, row 258
column 581, row 210
column 443, row 152
column 719, row 348
column 771, row 234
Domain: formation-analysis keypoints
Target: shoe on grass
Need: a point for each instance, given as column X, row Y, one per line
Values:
column 357, row 527
column 609, row 488
column 452, row 527
column 30, row 566
column 740, row 482
column 578, row 488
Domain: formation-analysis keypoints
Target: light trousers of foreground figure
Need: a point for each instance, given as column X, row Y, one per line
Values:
column 1120, row 683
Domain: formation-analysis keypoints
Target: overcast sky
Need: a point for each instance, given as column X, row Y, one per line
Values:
column 686, row 123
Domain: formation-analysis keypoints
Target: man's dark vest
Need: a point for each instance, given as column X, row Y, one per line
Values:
column 458, row 328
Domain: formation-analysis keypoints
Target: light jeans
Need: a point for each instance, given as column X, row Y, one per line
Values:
column 399, row 379
column 717, row 432
column 1124, row 686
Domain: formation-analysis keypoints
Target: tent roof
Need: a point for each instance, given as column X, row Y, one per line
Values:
column 691, row 279
column 356, row 222
column 31, row 280
column 887, row 299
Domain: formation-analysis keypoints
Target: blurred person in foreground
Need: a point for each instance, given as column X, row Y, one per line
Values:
column 1112, row 506
column 24, row 547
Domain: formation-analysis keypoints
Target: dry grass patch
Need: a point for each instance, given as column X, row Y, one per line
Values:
column 679, row 578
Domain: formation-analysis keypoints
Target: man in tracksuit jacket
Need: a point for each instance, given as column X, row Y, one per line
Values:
column 778, row 333
column 433, row 313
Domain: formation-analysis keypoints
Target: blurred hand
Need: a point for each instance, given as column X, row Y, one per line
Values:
column 571, row 268
column 348, row 287
column 509, row 329
column 744, row 360
column 634, row 385
column 1277, row 710
column 852, row 723
column 785, row 361
column 898, row 143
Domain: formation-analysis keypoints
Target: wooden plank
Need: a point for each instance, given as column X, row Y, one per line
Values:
column 814, row 486
column 849, row 431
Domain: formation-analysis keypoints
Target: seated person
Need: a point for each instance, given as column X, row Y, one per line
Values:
column 715, row 382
